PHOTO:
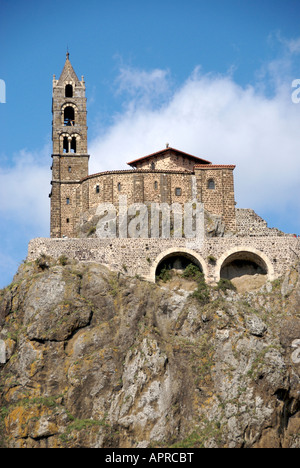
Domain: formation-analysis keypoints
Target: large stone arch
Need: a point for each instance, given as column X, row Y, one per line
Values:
column 180, row 251
column 249, row 254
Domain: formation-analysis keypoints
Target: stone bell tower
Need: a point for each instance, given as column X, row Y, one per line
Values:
column 70, row 158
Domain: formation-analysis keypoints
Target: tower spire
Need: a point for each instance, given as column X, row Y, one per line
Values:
column 67, row 54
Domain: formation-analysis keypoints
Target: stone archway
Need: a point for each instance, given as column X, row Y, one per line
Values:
column 244, row 260
column 175, row 254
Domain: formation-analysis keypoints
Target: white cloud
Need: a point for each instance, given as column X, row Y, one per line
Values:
column 24, row 189
column 291, row 46
column 140, row 83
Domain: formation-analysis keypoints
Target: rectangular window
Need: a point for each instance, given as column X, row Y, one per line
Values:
column 68, row 201
column 97, row 189
column 178, row 191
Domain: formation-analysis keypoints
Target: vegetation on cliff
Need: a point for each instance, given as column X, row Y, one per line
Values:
column 98, row 359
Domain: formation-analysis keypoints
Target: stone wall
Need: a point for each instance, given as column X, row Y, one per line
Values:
column 139, row 187
column 215, row 189
column 170, row 161
column 161, row 187
column 248, row 223
column 142, row 256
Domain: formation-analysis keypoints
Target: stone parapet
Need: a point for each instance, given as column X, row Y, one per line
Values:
column 141, row 257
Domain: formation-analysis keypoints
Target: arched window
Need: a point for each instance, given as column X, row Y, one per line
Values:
column 69, row 116
column 65, row 145
column 119, row 186
column 73, row 145
column 69, row 90
column 211, row 184
column 152, row 166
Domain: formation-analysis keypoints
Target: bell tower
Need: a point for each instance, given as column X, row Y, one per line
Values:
column 69, row 158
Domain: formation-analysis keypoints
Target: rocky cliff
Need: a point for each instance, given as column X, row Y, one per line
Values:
column 96, row 359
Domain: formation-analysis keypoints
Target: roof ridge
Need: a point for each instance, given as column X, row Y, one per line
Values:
column 165, row 150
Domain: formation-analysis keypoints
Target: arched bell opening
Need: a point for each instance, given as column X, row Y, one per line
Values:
column 69, row 116
column 69, row 91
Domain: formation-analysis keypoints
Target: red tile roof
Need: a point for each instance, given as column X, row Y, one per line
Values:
column 166, row 150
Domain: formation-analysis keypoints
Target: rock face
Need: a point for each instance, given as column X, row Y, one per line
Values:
column 96, row 359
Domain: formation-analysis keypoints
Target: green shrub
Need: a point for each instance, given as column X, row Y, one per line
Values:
column 42, row 262
column 192, row 272
column 212, row 259
column 63, row 260
column 202, row 293
column 164, row 275
column 225, row 284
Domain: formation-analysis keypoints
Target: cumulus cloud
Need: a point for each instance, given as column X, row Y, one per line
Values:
column 24, row 189
column 24, row 208
column 143, row 86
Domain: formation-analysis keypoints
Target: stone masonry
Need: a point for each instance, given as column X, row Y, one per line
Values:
column 141, row 257
column 169, row 176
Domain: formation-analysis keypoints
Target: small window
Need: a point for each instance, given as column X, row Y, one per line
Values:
column 155, row 185
column 178, row 191
column 152, row 166
column 68, row 201
column 97, row 188
column 119, row 187
column 69, row 169
column 211, row 184
column 69, row 90
column 68, row 220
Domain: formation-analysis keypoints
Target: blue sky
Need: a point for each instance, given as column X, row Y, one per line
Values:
column 212, row 78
